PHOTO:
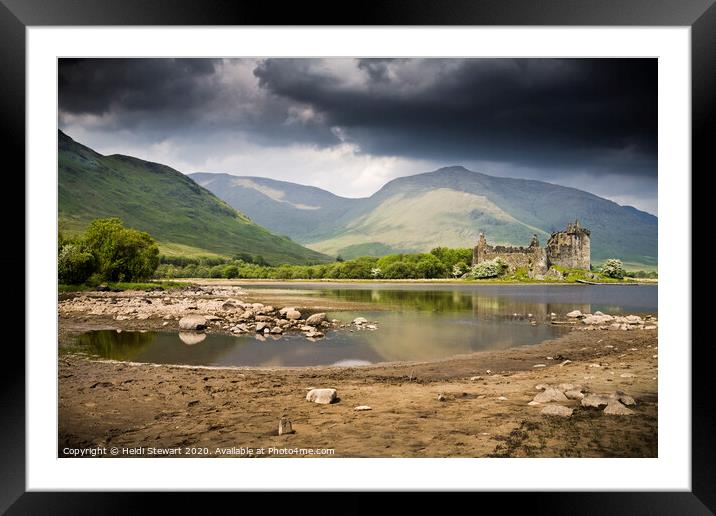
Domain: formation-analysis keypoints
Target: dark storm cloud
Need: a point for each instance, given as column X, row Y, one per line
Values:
column 593, row 113
column 95, row 86
column 582, row 122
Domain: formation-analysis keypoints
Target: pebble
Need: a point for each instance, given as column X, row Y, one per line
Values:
column 361, row 408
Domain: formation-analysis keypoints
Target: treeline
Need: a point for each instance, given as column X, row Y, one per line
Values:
column 441, row 262
column 107, row 251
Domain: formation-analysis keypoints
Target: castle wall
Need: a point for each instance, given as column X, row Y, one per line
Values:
column 570, row 249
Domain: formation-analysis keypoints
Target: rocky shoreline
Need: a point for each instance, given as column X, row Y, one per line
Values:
column 585, row 394
column 202, row 309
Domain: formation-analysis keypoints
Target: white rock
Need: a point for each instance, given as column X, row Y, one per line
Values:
column 627, row 375
column 540, row 365
column 361, row 408
column 574, row 395
column 574, row 314
column 556, row 410
column 192, row 322
column 615, row 408
column 322, row 396
column 549, row 394
column 565, row 363
column 360, row 320
column 592, row 400
column 316, row 319
column 293, row 315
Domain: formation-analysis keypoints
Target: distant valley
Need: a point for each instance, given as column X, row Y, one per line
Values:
column 446, row 207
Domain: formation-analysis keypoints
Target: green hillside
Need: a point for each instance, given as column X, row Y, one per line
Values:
column 185, row 218
column 447, row 207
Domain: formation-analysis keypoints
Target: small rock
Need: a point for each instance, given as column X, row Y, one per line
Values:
column 261, row 326
column 502, row 398
column 475, row 378
column 441, row 397
column 615, row 408
column 284, row 426
column 322, row 396
column 361, row 408
column 548, row 395
column 565, row 363
column 574, row 395
column 540, row 365
column 276, row 330
column 594, row 401
column 574, row 314
column 360, row 320
column 556, row 410
column 293, row 315
column 541, row 386
column 316, row 319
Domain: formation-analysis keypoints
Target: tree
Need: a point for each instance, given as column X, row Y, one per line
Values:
column 430, row 267
column 400, row 270
column 121, row 254
column 74, row 264
column 459, row 269
column 613, row 268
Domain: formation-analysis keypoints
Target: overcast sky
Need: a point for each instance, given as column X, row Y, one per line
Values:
column 351, row 125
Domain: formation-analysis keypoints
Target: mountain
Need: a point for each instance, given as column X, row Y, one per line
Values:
column 183, row 217
column 447, row 207
column 302, row 212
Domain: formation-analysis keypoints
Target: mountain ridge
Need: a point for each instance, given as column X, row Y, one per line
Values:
column 184, row 217
column 451, row 206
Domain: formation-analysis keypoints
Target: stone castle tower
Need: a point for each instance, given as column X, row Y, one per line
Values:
column 569, row 248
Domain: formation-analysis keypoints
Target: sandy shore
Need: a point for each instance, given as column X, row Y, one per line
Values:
column 156, row 410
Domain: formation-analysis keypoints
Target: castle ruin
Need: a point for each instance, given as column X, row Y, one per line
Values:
column 569, row 249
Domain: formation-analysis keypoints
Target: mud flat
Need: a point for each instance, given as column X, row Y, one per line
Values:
column 477, row 405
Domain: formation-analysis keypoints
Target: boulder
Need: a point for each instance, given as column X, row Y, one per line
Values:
column 594, row 401
column 556, row 410
column 316, row 319
column 614, row 408
column 574, row 394
column 360, row 320
column 261, row 326
column 549, row 394
column 634, row 319
column 192, row 322
column 322, row 396
column 574, row 314
column 293, row 315
column 276, row 330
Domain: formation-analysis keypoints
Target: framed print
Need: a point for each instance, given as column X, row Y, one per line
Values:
column 413, row 249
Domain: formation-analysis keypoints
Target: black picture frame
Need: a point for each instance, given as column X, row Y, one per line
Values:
column 17, row 15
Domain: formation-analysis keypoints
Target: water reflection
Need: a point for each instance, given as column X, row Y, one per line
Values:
column 414, row 323
column 190, row 338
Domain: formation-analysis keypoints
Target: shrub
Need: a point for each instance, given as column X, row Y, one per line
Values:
column 488, row 269
column 459, row 269
column 613, row 268
column 74, row 264
column 231, row 271
column 121, row 254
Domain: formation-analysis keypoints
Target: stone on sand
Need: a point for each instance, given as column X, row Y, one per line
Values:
column 322, row 396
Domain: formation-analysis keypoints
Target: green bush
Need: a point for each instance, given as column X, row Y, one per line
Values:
column 74, row 264
column 121, row 254
column 613, row 268
column 431, row 267
column 488, row 269
column 400, row 270
column 231, row 271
